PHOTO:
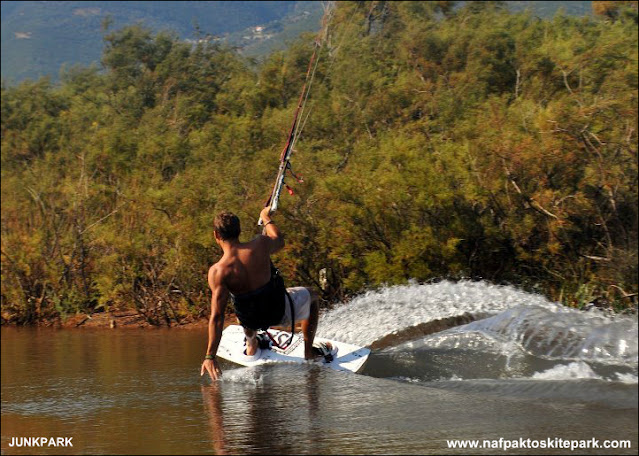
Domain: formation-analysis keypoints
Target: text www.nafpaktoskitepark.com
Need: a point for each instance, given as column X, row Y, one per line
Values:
column 545, row 444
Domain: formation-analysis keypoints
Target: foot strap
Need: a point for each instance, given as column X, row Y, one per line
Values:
column 324, row 350
column 263, row 341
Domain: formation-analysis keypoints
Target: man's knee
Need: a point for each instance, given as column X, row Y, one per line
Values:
column 314, row 295
column 313, row 308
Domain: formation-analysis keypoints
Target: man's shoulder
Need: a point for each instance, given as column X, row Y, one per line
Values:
column 216, row 272
column 260, row 238
column 258, row 242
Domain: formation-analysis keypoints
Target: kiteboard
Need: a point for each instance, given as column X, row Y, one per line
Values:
column 232, row 347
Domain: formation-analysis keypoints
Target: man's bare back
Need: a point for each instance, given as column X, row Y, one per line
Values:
column 245, row 267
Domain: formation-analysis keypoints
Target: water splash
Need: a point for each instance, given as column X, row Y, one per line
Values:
column 572, row 371
column 560, row 333
column 377, row 314
column 514, row 335
column 245, row 376
column 630, row 379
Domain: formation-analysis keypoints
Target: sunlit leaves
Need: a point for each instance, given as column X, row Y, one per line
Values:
column 441, row 142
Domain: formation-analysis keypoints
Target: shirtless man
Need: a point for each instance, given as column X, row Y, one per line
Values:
column 244, row 274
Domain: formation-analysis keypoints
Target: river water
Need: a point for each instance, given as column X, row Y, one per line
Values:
column 512, row 366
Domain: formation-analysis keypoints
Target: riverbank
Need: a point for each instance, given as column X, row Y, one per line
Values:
column 120, row 319
column 132, row 320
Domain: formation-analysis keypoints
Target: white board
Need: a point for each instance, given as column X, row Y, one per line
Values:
column 348, row 357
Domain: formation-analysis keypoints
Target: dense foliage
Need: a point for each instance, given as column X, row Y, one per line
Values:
column 443, row 142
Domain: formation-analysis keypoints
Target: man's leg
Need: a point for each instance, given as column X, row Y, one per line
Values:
column 309, row 326
column 306, row 303
column 251, row 341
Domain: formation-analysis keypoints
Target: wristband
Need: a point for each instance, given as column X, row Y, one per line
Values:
column 209, row 357
column 268, row 223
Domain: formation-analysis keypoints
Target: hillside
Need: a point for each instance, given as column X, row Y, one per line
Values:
column 39, row 37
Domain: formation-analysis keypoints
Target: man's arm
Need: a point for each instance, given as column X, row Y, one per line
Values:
column 273, row 234
column 219, row 299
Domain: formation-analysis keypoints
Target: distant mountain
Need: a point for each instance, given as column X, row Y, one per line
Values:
column 38, row 37
column 276, row 35
column 548, row 9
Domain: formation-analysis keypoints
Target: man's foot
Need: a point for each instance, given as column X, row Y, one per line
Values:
column 251, row 345
column 322, row 351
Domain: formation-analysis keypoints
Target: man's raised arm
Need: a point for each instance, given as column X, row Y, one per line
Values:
column 271, row 231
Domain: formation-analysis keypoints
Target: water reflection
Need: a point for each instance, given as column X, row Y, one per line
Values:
column 271, row 419
column 313, row 392
column 212, row 399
